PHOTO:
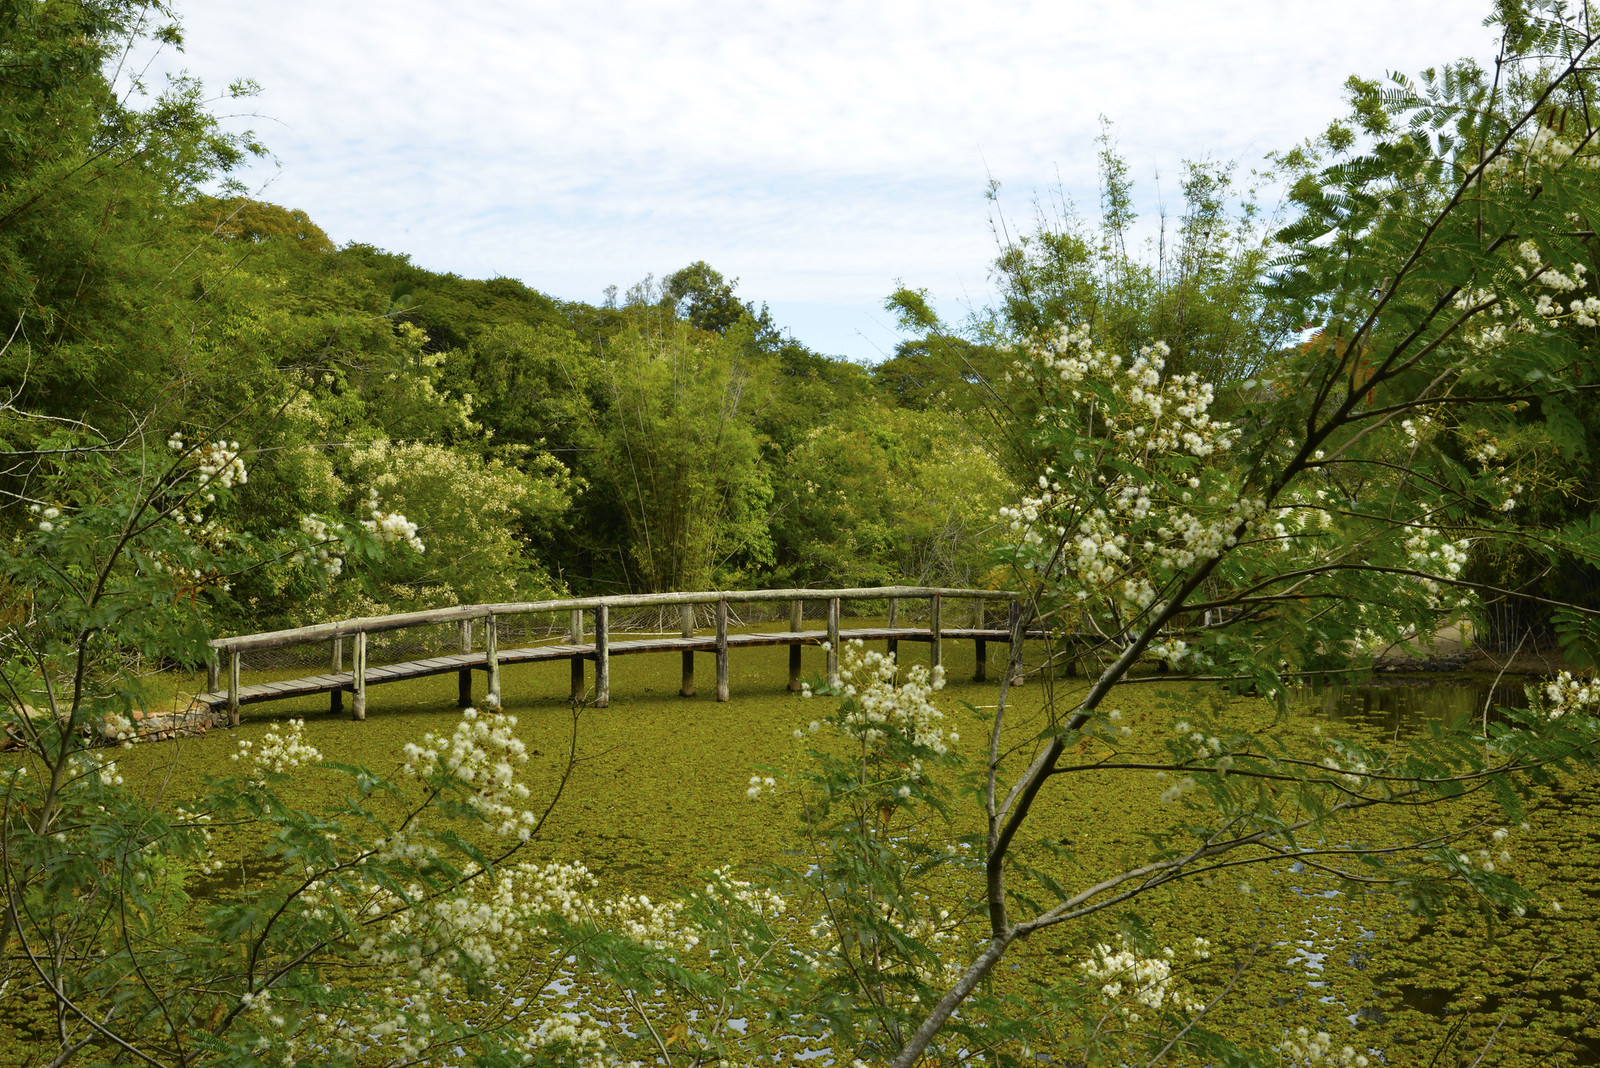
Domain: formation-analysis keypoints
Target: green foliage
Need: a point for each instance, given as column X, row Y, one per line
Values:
column 1199, row 296
column 671, row 442
column 1322, row 505
column 882, row 495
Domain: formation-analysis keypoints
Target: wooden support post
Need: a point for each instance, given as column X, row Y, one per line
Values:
column 981, row 672
column 935, row 632
column 894, row 621
column 233, row 687
column 575, row 633
column 358, row 706
column 213, row 672
column 1014, row 657
column 336, row 665
column 797, row 617
column 464, row 676
column 722, row 648
column 833, row 641
column 602, row 656
column 686, row 626
column 491, row 658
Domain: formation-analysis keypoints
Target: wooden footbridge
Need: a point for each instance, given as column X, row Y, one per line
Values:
column 591, row 643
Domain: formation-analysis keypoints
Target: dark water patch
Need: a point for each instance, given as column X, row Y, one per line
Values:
column 1403, row 705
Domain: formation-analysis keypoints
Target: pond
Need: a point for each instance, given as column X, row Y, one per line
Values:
column 1401, row 705
column 1536, row 979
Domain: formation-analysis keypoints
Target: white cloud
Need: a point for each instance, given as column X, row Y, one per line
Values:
column 817, row 150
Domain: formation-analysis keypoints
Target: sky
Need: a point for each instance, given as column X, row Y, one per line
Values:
column 821, row 153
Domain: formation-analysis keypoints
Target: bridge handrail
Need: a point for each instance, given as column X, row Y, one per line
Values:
column 458, row 613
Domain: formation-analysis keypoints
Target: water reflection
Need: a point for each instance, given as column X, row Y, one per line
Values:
column 1402, row 704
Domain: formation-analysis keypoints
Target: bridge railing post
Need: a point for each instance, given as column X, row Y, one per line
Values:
column 336, row 665
column 491, row 658
column 894, row 621
column 1018, row 628
column 980, row 671
column 213, row 671
column 358, row 706
column 464, row 676
column 686, row 628
column 797, row 614
column 722, row 648
column 935, row 631
column 233, row 687
column 833, row 641
column 602, row 656
column 575, row 635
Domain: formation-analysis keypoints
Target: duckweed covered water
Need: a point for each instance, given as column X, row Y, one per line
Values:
column 657, row 797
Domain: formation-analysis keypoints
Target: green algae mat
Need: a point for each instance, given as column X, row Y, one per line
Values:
column 657, row 796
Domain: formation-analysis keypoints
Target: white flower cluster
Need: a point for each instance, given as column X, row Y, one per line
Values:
column 1430, row 552
column 1565, row 694
column 218, row 462
column 651, row 923
column 484, row 752
column 327, row 541
column 120, row 729
column 880, row 705
column 1553, row 307
column 583, row 1046
column 390, row 527
column 759, row 783
column 279, row 753
column 1134, row 494
column 105, row 770
column 1127, row 979
column 50, row 519
column 760, row 900
column 1309, row 1049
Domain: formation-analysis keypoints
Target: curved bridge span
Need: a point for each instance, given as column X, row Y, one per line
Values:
column 588, row 638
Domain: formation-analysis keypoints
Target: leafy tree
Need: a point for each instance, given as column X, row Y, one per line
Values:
column 676, row 453
column 706, row 301
column 881, row 496
column 1198, row 296
column 1450, row 261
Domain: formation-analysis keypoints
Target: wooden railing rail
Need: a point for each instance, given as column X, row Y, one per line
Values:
column 400, row 621
column 599, row 649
